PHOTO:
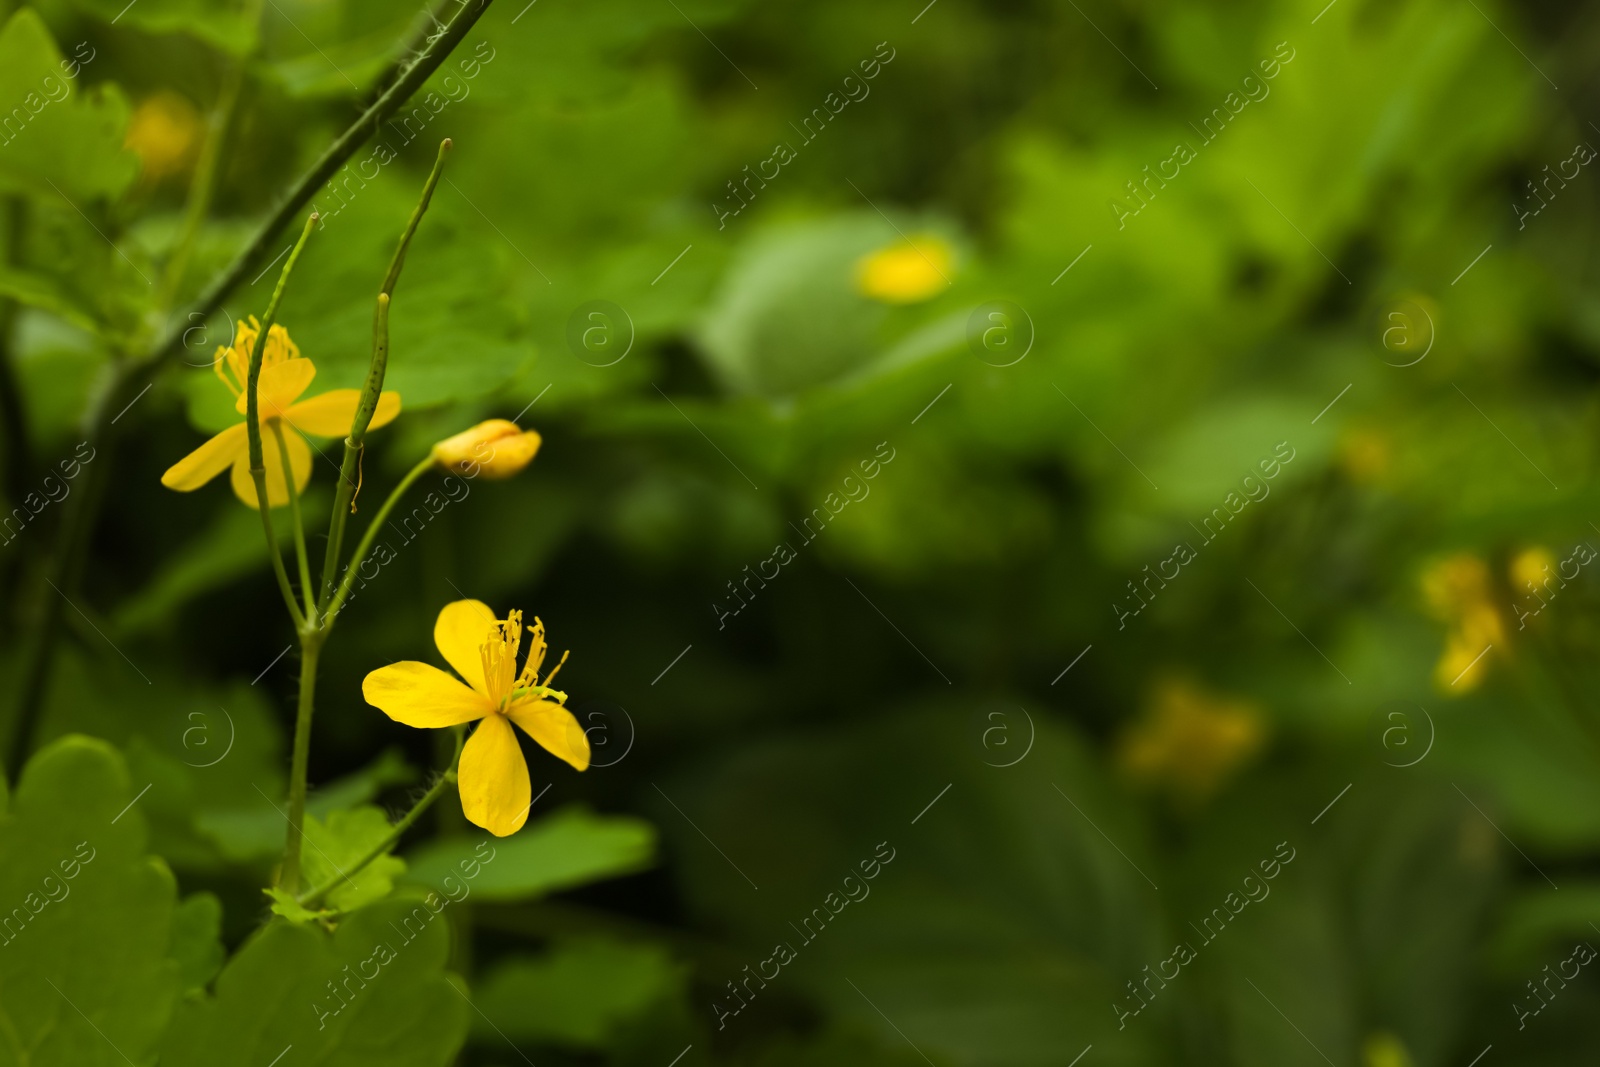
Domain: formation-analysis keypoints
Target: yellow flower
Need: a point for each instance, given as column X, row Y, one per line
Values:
column 164, row 132
column 1365, row 456
column 1190, row 740
column 285, row 374
column 1531, row 566
column 495, row 449
column 495, row 791
column 1384, row 1049
column 906, row 272
column 1458, row 591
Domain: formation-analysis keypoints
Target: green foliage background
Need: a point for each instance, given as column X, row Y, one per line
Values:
column 778, row 746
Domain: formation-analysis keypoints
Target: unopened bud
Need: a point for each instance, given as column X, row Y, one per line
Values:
column 495, row 449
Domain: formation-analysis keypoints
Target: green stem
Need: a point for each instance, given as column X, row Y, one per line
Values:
column 408, row 75
column 59, row 573
column 310, row 649
column 336, row 155
column 349, row 470
column 299, row 527
column 344, row 496
column 392, row 279
column 360, row 554
column 252, row 423
column 312, row 897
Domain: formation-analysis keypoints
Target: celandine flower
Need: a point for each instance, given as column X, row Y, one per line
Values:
column 495, row 791
column 285, row 374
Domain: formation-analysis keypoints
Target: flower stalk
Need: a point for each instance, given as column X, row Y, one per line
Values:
column 344, row 499
column 312, row 897
column 399, row 83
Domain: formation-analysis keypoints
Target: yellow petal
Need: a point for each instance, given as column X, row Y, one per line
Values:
column 497, row 448
column 279, row 386
column 330, row 414
column 418, row 694
column 555, row 728
column 207, row 461
column 277, row 491
column 495, row 792
column 460, row 633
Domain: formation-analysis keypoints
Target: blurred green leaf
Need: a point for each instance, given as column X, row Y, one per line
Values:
column 61, row 140
column 335, row 843
column 374, row 993
column 226, row 24
column 570, row 848
column 87, row 975
column 579, row 995
column 196, row 940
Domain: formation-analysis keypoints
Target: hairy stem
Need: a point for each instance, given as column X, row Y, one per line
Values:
column 310, row 649
column 252, row 426
column 78, row 521
column 311, row 898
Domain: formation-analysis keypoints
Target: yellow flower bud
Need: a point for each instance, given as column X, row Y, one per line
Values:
column 495, row 449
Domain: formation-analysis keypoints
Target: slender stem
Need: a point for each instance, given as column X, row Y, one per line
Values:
column 252, row 423
column 299, row 527
column 59, row 573
column 312, row 897
column 324, row 168
column 360, row 554
column 391, row 279
column 373, row 388
column 310, row 649
column 78, row 521
column 349, row 470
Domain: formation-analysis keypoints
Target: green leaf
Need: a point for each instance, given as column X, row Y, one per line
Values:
column 580, row 995
column 573, row 847
column 196, row 940
column 996, row 929
column 87, row 974
column 374, row 993
column 789, row 317
column 333, row 847
column 228, row 24
column 455, row 331
column 59, row 139
column 250, row 828
column 38, row 291
column 288, row 906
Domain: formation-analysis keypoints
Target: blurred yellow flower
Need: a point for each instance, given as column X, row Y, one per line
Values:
column 1384, row 1049
column 906, row 272
column 497, row 448
column 1532, row 566
column 1458, row 592
column 1190, row 740
column 285, row 374
column 495, row 790
column 1364, row 456
column 165, row 131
